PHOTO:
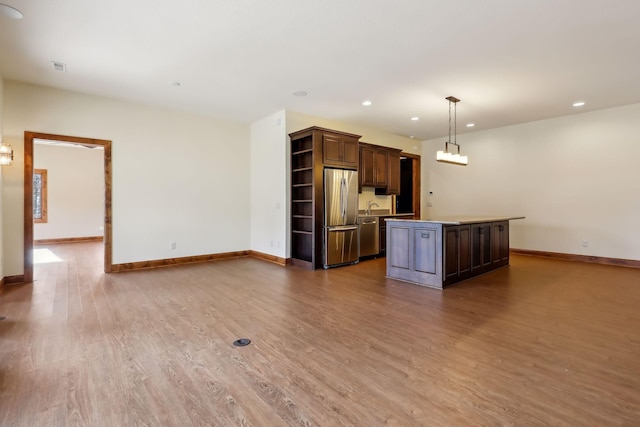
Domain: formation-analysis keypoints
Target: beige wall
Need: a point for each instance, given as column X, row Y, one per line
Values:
column 575, row 178
column 75, row 191
column 177, row 177
column 297, row 121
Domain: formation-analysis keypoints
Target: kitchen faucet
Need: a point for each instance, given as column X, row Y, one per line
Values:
column 371, row 204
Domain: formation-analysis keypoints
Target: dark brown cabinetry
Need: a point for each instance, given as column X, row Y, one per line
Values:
column 500, row 243
column 383, row 237
column 311, row 150
column 393, row 179
column 481, row 245
column 439, row 254
column 373, row 166
column 340, row 150
column 380, row 168
column 457, row 253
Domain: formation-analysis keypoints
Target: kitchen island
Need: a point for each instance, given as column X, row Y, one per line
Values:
column 443, row 251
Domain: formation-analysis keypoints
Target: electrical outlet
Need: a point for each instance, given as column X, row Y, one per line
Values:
column 101, row 228
column 173, row 245
column 585, row 243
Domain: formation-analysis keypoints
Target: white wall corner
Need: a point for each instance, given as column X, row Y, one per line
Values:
column 269, row 178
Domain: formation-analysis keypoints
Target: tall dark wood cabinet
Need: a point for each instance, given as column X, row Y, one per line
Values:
column 311, row 150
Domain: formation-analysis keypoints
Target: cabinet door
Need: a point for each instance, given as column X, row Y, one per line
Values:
column 457, row 253
column 350, row 153
column 464, row 250
column 486, row 245
column 425, row 250
column 331, row 150
column 480, row 247
column 367, row 155
column 380, row 168
column 451, row 249
column 400, row 251
column 476, row 247
column 339, row 151
column 500, row 243
column 393, row 167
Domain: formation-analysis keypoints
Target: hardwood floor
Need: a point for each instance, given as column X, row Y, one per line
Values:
column 542, row 342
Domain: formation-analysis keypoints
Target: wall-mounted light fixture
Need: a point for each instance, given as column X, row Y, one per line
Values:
column 446, row 156
column 6, row 154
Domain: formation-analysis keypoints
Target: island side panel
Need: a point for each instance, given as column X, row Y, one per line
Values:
column 414, row 252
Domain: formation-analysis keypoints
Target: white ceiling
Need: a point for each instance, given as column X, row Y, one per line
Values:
column 508, row 61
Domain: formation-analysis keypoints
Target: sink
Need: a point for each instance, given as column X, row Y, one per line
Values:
column 381, row 212
column 374, row 212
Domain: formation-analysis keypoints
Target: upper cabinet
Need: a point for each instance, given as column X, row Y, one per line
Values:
column 393, row 180
column 340, row 149
column 373, row 166
column 380, row 168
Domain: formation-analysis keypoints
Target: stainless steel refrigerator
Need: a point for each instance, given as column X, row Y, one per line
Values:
column 340, row 217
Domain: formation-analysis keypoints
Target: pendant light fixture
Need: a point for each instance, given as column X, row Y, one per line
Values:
column 446, row 156
column 6, row 154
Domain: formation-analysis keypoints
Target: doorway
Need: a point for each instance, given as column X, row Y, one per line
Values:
column 29, row 138
column 408, row 201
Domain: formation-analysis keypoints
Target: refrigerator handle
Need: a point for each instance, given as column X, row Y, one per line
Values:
column 343, row 197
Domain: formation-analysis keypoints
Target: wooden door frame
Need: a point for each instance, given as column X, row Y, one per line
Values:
column 28, row 196
column 415, row 158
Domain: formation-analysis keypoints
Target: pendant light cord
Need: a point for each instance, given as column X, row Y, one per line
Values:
column 455, row 125
column 449, row 121
column 454, row 101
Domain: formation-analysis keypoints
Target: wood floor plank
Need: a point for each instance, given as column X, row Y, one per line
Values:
column 542, row 342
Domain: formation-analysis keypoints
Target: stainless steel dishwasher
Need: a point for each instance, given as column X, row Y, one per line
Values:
column 369, row 236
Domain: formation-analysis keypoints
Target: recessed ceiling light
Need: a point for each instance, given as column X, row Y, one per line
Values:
column 10, row 12
column 366, row 103
column 300, row 93
column 470, row 125
column 415, row 118
column 175, row 83
column 411, row 136
column 578, row 104
column 59, row 66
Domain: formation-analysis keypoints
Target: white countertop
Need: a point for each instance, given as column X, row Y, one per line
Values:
column 460, row 219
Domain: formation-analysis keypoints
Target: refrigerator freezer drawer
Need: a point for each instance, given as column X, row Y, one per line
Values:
column 341, row 246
